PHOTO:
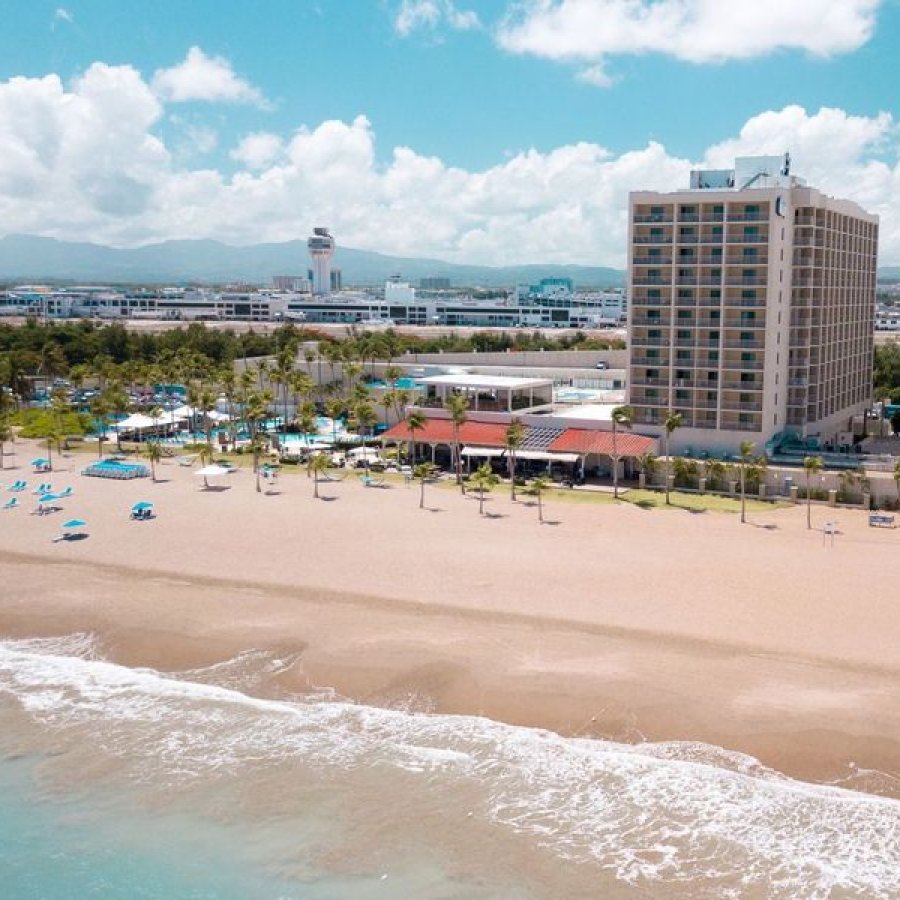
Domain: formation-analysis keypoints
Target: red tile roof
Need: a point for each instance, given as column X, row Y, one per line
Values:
column 440, row 431
column 583, row 441
column 486, row 434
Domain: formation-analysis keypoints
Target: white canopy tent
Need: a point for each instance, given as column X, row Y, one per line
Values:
column 138, row 422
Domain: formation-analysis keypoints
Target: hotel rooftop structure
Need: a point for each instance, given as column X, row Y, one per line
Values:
column 752, row 308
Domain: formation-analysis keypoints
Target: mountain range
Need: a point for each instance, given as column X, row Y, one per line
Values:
column 27, row 258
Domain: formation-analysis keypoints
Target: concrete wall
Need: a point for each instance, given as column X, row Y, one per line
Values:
column 584, row 359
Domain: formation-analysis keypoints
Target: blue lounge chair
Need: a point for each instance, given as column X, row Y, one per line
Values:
column 18, row 486
column 12, row 503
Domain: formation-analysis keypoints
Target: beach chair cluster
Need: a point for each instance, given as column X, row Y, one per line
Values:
column 18, row 486
column 119, row 472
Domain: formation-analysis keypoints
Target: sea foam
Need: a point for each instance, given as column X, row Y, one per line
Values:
column 670, row 813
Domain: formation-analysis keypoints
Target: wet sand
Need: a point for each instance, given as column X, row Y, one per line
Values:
column 613, row 621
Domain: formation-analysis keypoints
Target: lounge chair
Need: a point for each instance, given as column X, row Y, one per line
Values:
column 369, row 481
column 329, row 477
column 18, row 486
column 12, row 503
column 66, row 493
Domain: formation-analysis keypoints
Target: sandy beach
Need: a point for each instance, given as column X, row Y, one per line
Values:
column 608, row 620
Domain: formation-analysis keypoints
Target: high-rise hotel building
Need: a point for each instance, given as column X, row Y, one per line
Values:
column 752, row 303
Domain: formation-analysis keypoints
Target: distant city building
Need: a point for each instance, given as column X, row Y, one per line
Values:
column 296, row 283
column 335, row 280
column 751, row 312
column 399, row 292
column 321, row 251
column 434, row 284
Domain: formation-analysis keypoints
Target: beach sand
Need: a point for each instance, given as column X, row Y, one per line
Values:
column 607, row 621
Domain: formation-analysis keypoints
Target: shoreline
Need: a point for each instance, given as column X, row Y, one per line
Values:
column 560, row 675
column 616, row 622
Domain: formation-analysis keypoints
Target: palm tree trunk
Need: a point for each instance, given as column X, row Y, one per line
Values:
column 540, row 507
column 512, row 476
column 422, row 495
column 668, row 469
column 808, row 504
column 481, row 501
column 316, row 483
column 743, row 497
column 615, row 461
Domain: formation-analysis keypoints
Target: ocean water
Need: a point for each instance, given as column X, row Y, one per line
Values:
column 128, row 783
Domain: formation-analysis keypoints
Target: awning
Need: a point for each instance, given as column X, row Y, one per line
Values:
column 486, row 452
column 547, row 457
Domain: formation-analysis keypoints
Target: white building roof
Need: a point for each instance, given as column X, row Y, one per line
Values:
column 487, row 382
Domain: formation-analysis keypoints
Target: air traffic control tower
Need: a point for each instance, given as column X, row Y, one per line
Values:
column 321, row 250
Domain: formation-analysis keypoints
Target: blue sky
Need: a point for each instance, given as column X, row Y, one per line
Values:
column 609, row 94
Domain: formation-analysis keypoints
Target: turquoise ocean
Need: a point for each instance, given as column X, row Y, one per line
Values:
column 130, row 783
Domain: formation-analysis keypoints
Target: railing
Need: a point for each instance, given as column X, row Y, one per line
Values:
column 657, row 282
column 644, row 341
column 713, row 217
column 644, row 320
column 743, row 385
column 687, row 238
column 649, row 301
column 753, row 281
column 747, row 217
column 729, row 406
column 654, row 239
column 652, row 260
column 748, row 239
column 656, row 218
column 651, row 382
column 746, row 303
column 688, row 217
column 651, row 361
column 741, row 365
column 742, row 325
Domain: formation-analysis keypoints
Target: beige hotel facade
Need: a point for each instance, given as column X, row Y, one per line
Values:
column 751, row 308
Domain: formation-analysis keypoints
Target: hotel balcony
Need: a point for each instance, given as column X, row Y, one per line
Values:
column 661, row 322
column 732, row 384
column 748, row 217
column 652, row 239
column 652, row 260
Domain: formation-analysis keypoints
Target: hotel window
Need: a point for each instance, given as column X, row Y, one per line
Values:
column 712, row 376
column 714, row 335
column 748, row 275
column 715, row 294
column 711, row 395
column 715, row 273
column 685, row 294
column 654, row 333
column 651, row 373
column 653, row 294
column 653, row 353
column 685, row 314
column 748, row 294
column 746, row 336
column 653, row 314
column 657, row 212
column 651, row 393
column 683, row 355
column 748, row 318
column 748, row 378
column 748, row 357
column 713, row 355
column 682, row 395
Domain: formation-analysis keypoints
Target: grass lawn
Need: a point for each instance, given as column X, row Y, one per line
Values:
column 698, row 502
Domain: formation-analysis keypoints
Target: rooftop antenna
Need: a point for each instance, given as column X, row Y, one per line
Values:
column 786, row 168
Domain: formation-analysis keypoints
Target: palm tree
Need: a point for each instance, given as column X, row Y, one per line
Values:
column 424, row 472
column 648, row 463
column 100, row 411
column 205, row 457
column 153, row 452
column 537, row 486
column 415, row 421
column 746, row 449
column 457, row 405
column 484, row 479
column 6, row 434
column 812, row 465
column 334, row 409
column 515, row 437
column 318, row 465
column 622, row 417
column 672, row 422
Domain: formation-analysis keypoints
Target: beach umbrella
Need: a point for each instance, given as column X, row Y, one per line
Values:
column 211, row 470
column 74, row 523
column 40, row 461
column 143, row 504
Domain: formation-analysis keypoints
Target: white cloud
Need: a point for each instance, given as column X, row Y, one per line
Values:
column 698, row 31
column 202, row 77
column 415, row 15
column 258, row 150
column 81, row 162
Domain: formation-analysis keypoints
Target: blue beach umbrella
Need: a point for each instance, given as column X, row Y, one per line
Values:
column 40, row 461
column 143, row 504
column 74, row 523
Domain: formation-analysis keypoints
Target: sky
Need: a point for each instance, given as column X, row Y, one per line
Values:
column 480, row 131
